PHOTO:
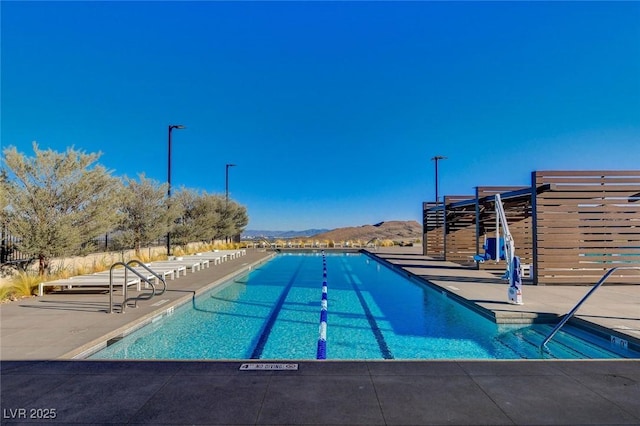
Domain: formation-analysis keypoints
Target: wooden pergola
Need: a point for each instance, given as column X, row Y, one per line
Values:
column 569, row 226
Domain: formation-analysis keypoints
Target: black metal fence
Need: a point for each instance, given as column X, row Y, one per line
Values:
column 9, row 254
column 8, row 251
column 111, row 242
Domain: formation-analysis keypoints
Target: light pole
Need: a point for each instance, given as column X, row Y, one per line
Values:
column 226, row 182
column 226, row 194
column 171, row 127
column 435, row 159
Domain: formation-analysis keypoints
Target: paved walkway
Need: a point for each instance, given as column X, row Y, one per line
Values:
column 324, row 393
column 37, row 388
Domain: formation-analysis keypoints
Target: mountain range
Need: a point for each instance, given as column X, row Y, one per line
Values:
column 395, row 230
column 248, row 234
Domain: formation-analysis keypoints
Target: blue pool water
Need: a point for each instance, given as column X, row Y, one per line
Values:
column 373, row 313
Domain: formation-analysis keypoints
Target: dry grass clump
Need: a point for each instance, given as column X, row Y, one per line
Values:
column 22, row 284
column 178, row 251
column 225, row 246
column 102, row 264
column 203, row 247
column 25, row 283
column 149, row 257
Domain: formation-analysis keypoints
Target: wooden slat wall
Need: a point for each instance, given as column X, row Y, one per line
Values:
column 519, row 220
column 432, row 229
column 586, row 224
column 460, row 238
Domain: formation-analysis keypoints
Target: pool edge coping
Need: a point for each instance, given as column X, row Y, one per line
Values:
column 538, row 318
column 90, row 348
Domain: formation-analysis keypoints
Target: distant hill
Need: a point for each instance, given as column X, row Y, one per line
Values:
column 282, row 234
column 394, row 230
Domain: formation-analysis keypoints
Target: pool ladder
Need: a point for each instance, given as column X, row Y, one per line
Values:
column 128, row 267
column 568, row 316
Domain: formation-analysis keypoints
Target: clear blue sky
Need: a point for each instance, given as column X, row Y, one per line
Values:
column 331, row 110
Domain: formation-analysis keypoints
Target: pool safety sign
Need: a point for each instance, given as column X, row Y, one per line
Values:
column 269, row 366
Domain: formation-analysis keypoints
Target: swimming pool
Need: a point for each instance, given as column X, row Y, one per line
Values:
column 373, row 313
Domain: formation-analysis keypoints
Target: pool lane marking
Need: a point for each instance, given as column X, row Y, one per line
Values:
column 266, row 331
column 373, row 324
column 321, row 352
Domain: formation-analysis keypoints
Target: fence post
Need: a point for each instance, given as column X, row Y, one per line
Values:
column 3, row 244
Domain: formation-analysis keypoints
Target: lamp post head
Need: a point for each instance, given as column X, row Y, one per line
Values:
column 177, row 126
column 439, row 157
column 231, row 165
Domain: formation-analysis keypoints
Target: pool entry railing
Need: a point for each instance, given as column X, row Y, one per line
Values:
column 568, row 316
column 374, row 242
column 144, row 296
column 322, row 331
column 159, row 277
column 268, row 243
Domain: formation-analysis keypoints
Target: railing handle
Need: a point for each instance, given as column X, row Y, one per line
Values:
column 125, row 286
column 568, row 316
column 161, row 279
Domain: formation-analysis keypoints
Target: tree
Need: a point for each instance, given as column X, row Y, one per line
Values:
column 219, row 218
column 4, row 200
column 58, row 201
column 145, row 217
column 207, row 217
column 236, row 219
column 183, row 231
column 200, row 218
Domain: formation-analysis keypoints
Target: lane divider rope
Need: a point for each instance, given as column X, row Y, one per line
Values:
column 322, row 338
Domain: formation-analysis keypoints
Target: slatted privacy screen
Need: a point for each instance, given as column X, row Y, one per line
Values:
column 587, row 223
column 432, row 228
column 460, row 238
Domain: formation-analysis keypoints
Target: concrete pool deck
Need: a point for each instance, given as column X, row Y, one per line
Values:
column 39, row 384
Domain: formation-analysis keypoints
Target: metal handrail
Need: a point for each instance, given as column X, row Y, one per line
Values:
column 374, row 241
column 568, row 316
column 269, row 244
column 155, row 274
column 125, row 286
